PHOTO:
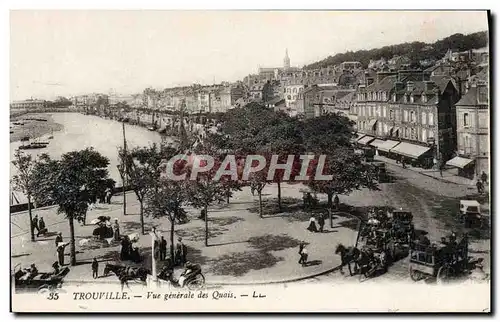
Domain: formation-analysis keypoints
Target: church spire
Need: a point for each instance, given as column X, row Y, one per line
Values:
column 286, row 60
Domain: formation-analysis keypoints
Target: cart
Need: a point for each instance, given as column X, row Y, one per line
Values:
column 470, row 214
column 41, row 282
column 443, row 262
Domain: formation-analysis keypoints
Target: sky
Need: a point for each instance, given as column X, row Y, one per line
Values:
column 73, row 52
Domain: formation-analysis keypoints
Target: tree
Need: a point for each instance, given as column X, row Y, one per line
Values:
column 166, row 199
column 141, row 165
column 72, row 184
column 24, row 180
column 282, row 139
column 348, row 171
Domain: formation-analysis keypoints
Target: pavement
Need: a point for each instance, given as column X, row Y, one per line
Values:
column 243, row 248
column 448, row 175
column 246, row 249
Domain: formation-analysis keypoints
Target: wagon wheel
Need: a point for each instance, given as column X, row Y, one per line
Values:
column 416, row 275
column 445, row 272
column 197, row 282
column 44, row 289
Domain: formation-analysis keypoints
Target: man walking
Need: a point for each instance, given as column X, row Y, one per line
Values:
column 41, row 227
column 479, row 186
column 484, row 177
column 321, row 222
column 303, row 259
column 60, row 253
column 35, row 225
column 181, row 252
column 95, row 268
column 163, row 249
column 59, row 239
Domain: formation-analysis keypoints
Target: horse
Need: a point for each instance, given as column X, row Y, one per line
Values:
column 127, row 273
column 348, row 255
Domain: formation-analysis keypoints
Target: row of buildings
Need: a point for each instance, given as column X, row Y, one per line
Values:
column 433, row 117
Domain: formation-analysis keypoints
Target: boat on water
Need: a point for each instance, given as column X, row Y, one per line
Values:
column 33, row 145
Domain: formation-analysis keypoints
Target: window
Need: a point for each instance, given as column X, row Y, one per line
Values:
column 424, row 135
column 391, row 115
column 412, row 116
column 424, row 118
column 288, row 90
column 295, row 90
column 289, row 97
column 294, row 97
column 405, row 116
column 413, row 134
column 431, row 119
column 466, row 120
column 386, row 129
column 407, row 133
column 424, row 98
column 406, row 98
column 394, row 97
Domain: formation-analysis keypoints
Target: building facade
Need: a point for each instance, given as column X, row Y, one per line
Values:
column 405, row 108
column 29, row 103
column 472, row 118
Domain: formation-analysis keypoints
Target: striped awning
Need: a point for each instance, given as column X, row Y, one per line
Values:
column 410, row 150
column 388, row 145
column 459, row 162
column 365, row 140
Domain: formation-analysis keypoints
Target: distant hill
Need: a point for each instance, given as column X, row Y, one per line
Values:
column 416, row 51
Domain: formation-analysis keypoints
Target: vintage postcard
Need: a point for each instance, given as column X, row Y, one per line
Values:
column 250, row 161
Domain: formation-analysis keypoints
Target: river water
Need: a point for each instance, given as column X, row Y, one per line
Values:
column 82, row 131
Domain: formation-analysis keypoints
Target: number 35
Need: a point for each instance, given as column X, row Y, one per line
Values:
column 53, row 296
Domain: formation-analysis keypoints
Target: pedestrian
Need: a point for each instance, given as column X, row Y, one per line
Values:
column 479, row 186
column 321, row 222
column 59, row 239
column 116, row 230
column 301, row 248
column 60, row 253
column 403, row 163
column 304, row 256
column 35, row 225
column 181, row 252
column 252, row 189
column 95, row 268
column 108, row 195
column 441, row 171
column 312, row 225
column 202, row 215
column 41, row 226
column 336, row 202
column 484, row 177
column 163, row 248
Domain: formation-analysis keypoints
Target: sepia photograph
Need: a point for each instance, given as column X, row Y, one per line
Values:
column 250, row 161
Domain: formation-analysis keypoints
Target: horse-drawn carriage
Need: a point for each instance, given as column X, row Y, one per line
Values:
column 25, row 279
column 443, row 261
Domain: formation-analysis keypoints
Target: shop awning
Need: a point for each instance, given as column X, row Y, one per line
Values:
column 410, row 150
column 459, row 162
column 388, row 145
column 365, row 140
column 377, row 143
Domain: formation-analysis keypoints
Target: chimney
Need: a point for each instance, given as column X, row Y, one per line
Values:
column 410, row 86
column 429, row 85
column 482, row 93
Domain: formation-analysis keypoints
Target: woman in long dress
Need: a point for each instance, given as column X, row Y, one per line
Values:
column 312, row 225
